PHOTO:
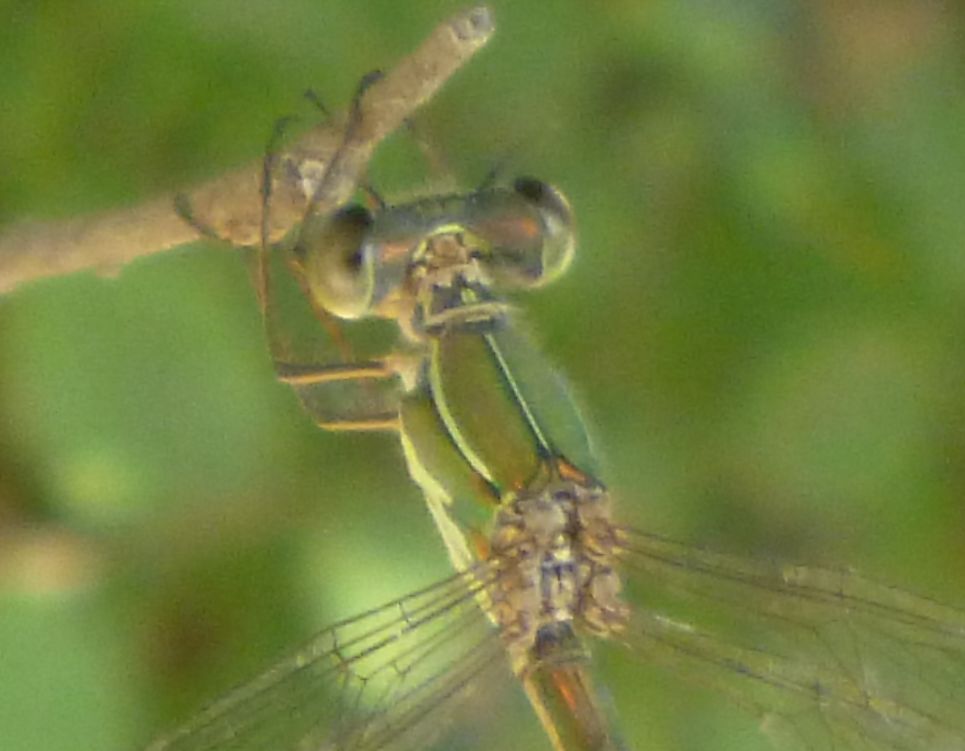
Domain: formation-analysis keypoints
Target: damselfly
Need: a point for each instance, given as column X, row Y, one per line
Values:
column 825, row 659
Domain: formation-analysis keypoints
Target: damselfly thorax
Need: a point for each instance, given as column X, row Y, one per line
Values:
column 488, row 430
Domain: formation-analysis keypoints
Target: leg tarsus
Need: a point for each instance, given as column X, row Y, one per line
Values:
column 182, row 207
column 312, row 96
column 364, row 83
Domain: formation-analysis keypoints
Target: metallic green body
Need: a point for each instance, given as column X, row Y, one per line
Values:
column 489, row 429
column 485, row 420
column 487, row 424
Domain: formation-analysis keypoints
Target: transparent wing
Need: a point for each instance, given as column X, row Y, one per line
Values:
column 390, row 678
column 828, row 660
column 306, row 340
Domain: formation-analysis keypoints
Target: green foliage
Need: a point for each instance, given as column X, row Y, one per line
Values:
column 762, row 323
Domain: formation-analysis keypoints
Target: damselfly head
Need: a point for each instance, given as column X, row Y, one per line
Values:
column 516, row 237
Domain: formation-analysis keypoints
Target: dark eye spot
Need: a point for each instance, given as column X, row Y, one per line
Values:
column 530, row 188
column 354, row 260
column 545, row 197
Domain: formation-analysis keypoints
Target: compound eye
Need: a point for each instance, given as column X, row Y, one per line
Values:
column 338, row 269
column 559, row 236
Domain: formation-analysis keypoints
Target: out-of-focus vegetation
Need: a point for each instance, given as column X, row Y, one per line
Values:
column 764, row 323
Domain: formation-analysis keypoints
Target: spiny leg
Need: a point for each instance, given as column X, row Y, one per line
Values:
column 397, row 371
column 262, row 277
column 308, row 378
column 269, row 165
column 263, row 274
column 183, row 208
column 354, row 118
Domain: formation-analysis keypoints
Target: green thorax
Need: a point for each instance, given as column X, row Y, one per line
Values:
column 490, row 418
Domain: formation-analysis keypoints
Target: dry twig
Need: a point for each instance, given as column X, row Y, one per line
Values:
column 230, row 205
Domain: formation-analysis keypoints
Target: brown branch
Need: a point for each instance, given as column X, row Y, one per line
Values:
column 230, row 205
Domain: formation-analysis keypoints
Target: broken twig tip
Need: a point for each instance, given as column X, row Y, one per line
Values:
column 475, row 23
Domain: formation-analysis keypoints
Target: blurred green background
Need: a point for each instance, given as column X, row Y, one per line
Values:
column 764, row 323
